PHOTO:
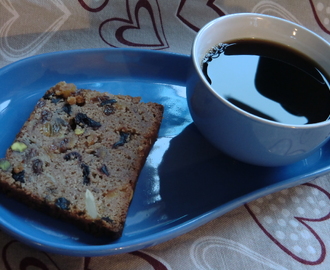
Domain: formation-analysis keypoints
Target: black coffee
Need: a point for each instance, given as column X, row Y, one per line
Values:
column 269, row 80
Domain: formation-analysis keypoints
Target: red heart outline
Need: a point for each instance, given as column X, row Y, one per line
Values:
column 157, row 265
column 88, row 8
column 317, row 18
column 303, row 222
column 25, row 262
column 210, row 3
column 119, row 33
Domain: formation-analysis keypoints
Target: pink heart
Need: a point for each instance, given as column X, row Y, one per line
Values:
column 287, row 221
column 321, row 11
column 188, row 13
column 119, row 31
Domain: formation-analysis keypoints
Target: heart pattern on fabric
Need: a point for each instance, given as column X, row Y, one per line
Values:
column 321, row 12
column 92, row 8
column 281, row 217
column 271, row 8
column 137, row 259
column 142, row 15
column 188, row 7
column 17, row 256
column 203, row 249
column 11, row 53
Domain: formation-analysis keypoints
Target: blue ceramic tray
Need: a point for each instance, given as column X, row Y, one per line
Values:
column 185, row 181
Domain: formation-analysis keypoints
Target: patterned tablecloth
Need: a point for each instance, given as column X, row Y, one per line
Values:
column 286, row 230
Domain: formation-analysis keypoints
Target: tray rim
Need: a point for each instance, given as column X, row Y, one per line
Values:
column 160, row 236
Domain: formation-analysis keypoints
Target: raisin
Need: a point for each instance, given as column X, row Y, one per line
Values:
column 104, row 170
column 86, row 172
column 67, row 108
column 107, row 219
column 52, row 128
column 19, row 177
column 63, row 203
column 46, row 116
column 37, row 166
column 83, row 119
column 108, row 101
column 108, row 110
column 72, row 156
column 124, row 137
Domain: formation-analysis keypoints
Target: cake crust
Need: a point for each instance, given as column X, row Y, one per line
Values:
column 79, row 155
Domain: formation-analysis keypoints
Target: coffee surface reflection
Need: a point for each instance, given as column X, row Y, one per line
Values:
column 269, row 80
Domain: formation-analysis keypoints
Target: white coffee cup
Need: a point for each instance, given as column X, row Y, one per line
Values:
column 240, row 134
